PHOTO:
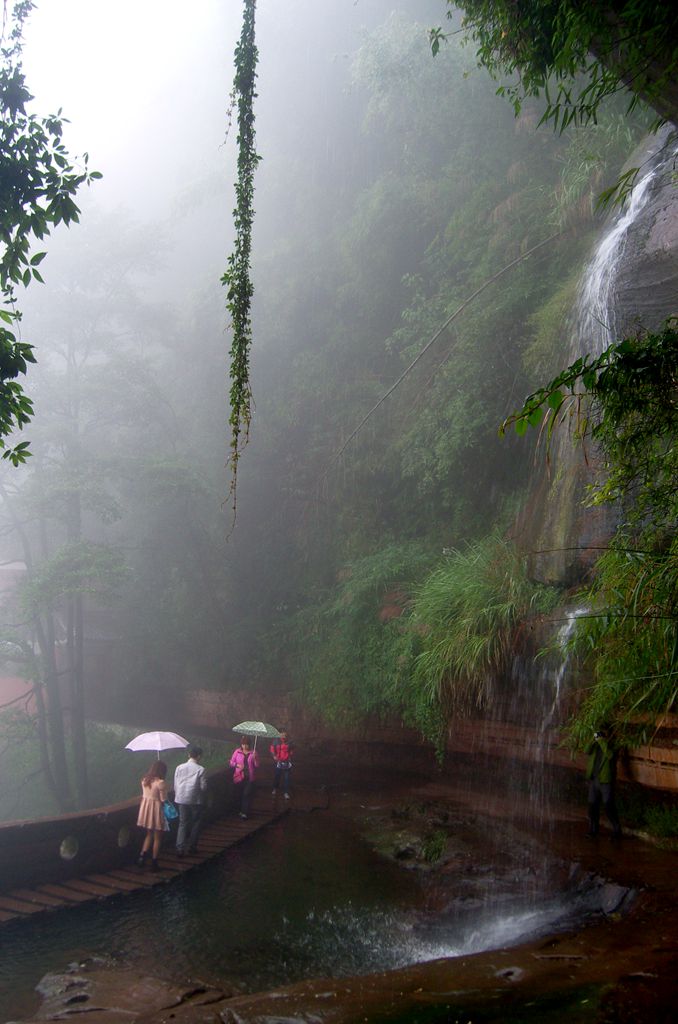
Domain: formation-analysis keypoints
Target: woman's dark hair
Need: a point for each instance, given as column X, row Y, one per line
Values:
column 244, row 739
column 158, row 770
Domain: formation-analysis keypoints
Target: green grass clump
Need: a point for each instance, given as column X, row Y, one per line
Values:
column 467, row 613
column 434, row 846
column 662, row 820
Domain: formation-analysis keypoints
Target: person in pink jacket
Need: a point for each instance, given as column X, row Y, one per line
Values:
column 244, row 763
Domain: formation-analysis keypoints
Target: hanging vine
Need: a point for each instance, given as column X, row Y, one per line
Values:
column 237, row 277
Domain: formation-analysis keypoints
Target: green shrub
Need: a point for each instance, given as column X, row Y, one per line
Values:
column 662, row 820
column 467, row 614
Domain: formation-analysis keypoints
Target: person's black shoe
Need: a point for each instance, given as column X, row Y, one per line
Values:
column 180, row 853
column 141, row 860
column 154, row 865
column 590, row 835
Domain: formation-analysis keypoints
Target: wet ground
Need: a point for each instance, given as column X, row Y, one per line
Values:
column 601, row 945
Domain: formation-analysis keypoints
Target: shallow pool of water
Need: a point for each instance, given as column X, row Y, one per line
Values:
column 303, row 898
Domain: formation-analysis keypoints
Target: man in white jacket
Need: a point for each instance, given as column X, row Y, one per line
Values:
column 190, row 783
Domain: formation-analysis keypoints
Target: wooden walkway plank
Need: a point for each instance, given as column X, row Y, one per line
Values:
column 111, row 879
column 63, row 892
column 145, row 877
column 40, row 898
column 18, row 906
column 135, row 880
column 80, row 885
column 104, row 882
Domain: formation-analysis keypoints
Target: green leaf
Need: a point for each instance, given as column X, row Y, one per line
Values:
column 555, row 400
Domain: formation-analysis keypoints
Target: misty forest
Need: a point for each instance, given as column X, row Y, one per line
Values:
column 268, row 326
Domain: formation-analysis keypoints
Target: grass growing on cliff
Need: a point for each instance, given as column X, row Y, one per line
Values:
column 468, row 614
column 395, row 638
column 632, row 643
column 631, row 637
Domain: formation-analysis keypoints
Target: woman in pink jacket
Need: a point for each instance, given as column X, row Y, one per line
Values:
column 244, row 763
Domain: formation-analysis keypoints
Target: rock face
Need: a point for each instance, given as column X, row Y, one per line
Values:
column 646, row 289
column 630, row 283
column 110, row 994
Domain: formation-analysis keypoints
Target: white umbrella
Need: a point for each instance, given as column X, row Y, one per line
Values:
column 157, row 741
column 257, row 729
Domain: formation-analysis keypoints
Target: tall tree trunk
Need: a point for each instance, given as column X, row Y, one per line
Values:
column 43, row 740
column 75, row 642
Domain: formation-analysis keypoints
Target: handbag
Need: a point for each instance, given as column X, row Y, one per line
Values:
column 169, row 810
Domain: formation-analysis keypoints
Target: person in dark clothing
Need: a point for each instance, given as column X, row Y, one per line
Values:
column 601, row 772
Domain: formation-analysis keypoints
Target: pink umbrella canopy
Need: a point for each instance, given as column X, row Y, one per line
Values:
column 157, row 741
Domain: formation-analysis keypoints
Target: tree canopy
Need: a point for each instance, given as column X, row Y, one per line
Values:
column 38, row 183
column 575, row 53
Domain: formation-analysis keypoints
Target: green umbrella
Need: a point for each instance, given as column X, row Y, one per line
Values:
column 257, row 729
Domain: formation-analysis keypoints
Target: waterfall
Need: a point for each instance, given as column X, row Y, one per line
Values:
column 596, row 314
column 559, row 675
column 630, row 281
column 602, row 314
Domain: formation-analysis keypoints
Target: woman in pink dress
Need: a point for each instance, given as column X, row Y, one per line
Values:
column 151, row 812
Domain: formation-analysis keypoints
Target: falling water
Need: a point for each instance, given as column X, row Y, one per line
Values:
column 629, row 282
column 603, row 310
column 560, row 674
column 596, row 314
column 539, row 684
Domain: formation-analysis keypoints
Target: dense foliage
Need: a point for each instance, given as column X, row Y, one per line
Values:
column 38, row 183
column 576, row 54
column 633, row 385
column 396, row 637
column 626, row 402
column 468, row 613
column 428, row 469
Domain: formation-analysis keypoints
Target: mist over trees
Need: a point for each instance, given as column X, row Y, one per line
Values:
column 392, row 186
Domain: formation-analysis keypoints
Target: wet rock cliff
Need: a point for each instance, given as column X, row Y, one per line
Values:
column 630, row 283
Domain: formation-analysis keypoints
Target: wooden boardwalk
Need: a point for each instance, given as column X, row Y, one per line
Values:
column 215, row 837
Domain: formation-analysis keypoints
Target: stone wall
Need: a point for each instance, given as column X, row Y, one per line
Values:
column 211, row 713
